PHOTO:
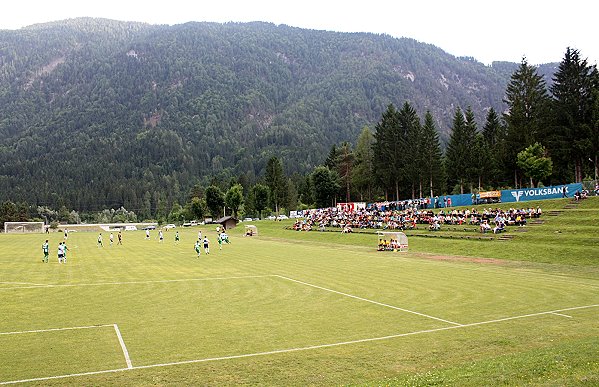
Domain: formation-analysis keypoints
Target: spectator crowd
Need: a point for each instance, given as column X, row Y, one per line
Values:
column 400, row 216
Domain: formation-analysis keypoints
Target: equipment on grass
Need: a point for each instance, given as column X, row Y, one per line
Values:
column 23, row 227
column 392, row 241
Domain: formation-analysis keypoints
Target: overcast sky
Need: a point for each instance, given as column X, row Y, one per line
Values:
column 488, row 31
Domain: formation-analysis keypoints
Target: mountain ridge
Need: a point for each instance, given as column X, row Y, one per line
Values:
column 126, row 108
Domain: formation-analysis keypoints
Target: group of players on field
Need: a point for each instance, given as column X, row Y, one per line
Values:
column 62, row 246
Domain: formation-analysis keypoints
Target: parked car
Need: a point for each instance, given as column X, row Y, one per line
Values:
column 150, row 227
column 282, row 216
column 272, row 217
column 247, row 219
column 169, row 226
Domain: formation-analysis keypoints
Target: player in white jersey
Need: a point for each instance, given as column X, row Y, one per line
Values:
column 206, row 245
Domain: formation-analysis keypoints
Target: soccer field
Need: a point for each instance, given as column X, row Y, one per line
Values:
column 276, row 311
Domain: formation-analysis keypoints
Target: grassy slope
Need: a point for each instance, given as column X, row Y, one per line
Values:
column 183, row 320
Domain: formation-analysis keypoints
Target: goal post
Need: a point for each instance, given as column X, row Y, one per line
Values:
column 23, row 227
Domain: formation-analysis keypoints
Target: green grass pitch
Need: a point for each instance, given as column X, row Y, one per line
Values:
column 294, row 308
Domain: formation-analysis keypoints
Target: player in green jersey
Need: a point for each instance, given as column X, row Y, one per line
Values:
column 198, row 248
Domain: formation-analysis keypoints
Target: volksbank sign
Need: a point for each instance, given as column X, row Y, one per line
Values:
column 555, row 192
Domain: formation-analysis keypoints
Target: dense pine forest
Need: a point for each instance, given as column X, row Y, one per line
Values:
column 177, row 121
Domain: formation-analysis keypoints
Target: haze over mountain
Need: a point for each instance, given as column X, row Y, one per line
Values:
column 96, row 113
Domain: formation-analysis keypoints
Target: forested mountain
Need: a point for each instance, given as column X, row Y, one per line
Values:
column 96, row 113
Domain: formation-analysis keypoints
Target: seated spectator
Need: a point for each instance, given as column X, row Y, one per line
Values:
column 485, row 227
column 500, row 227
column 434, row 226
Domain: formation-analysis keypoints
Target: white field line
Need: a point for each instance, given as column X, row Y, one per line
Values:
column 56, row 329
column 63, row 376
column 563, row 315
column 136, row 282
column 288, row 350
column 123, row 347
column 371, row 301
column 22, row 283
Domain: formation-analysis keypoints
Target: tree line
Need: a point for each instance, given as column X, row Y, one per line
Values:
column 547, row 135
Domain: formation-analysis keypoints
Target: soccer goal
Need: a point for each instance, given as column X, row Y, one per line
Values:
column 22, row 227
column 392, row 241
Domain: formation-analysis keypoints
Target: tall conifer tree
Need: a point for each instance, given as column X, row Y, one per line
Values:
column 362, row 176
column 574, row 91
column 457, row 154
column 526, row 119
column 387, row 150
column 431, row 155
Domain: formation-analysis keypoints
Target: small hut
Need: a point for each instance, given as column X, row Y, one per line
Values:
column 251, row 230
column 392, row 241
column 227, row 222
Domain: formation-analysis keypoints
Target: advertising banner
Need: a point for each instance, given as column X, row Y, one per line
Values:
column 554, row 192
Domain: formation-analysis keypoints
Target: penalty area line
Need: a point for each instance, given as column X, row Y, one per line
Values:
column 297, row 349
column 370, row 301
column 123, row 346
column 138, row 282
column 56, row 329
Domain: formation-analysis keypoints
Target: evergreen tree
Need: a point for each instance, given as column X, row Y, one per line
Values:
column 494, row 145
column 277, row 183
column 215, row 200
column 345, row 162
column 526, row 118
column 431, row 155
column 574, row 92
column 387, row 150
column 457, row 154
column 260, row 195
column 362, row 177
column 197, row 208
column 474, row 151
column 332, row 158
column 410, row 161
column 234, row 198
column 325, row 184
column 482, row 164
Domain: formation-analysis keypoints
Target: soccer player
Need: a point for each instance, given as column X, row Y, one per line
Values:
column 66, row 234
column 200, row 235
column 100, row 241
column 206, row 245
column 111, row 237
column 60, row 253
column 64, row 252
column 147, row 235
column 160, row 236
column 198, row 248
column 177, row 238
column 45, row 249
column 120, row 236
column 219, row 239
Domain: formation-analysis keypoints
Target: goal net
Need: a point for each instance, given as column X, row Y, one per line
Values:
column 21, row 227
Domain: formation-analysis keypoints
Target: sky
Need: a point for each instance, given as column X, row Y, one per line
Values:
column 505, row 30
